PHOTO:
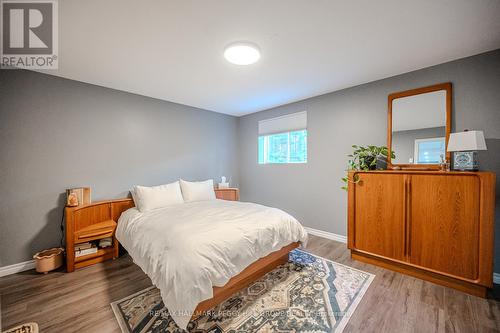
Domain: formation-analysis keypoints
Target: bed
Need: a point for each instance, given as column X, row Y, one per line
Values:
column 199, row 253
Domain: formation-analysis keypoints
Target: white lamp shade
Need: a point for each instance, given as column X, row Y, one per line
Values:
column 468, row 140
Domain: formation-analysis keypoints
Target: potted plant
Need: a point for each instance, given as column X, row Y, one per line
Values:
column 366, row 158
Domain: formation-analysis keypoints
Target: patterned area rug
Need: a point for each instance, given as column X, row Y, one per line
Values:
column 307, row 294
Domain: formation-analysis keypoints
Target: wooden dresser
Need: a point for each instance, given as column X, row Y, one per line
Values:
column 434, row 225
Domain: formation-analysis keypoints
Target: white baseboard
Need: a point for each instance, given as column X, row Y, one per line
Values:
column 496, row 278
column 327, row 235
column 16, row 268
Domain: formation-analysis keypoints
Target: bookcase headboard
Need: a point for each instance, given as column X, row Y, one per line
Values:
column 85, row 215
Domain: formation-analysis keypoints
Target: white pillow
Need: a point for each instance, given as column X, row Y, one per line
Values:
column 198, row 191
column 147, row 198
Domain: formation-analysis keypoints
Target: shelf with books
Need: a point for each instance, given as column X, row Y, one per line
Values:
column 99, row 253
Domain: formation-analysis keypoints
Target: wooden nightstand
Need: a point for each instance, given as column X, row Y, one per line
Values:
column 92, row 222
column 230, row 193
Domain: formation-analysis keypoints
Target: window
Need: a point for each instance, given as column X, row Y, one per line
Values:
column 289, row 147
column 429, row 151
column 283, row 139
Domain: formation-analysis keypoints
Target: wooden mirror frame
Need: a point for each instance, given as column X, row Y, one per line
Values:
column 442, row 86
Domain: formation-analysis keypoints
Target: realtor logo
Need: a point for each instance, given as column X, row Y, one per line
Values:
column 29, row 34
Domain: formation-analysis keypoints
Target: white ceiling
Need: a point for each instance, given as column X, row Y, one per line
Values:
column 172, row 50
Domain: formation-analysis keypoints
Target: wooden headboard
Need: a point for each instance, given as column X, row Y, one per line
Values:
column 95, row 212
column 94, row 221
column 97, row 220
column 85, row 215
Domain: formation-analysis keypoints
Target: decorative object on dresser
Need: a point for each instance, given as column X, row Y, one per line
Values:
column 419, row 126
column 78, row 196
column 464, row 146
column 434, row 225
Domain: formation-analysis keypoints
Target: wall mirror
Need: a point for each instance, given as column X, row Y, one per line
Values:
column 419, row 124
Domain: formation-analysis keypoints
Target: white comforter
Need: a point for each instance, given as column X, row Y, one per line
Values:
column 188, row 248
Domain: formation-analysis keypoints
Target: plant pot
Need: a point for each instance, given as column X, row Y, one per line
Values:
column 48, row 260
column 369, row 160
column 381, row 163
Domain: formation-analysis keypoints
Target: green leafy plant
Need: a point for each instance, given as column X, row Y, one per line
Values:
column 365, row 158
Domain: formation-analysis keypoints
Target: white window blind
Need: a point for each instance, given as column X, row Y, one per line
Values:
column 286, row 123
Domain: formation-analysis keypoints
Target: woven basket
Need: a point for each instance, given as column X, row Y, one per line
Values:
column 48, row 260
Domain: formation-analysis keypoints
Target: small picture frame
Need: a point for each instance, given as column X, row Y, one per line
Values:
column 77, row 196
column 72, row 199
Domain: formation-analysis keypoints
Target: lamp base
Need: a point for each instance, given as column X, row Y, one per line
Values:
column 465, row 161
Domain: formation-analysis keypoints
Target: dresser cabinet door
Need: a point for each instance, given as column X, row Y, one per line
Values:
column 444, row 224
column 379, row 201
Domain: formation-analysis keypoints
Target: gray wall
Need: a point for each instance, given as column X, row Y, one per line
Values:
column 57, row 133
column 358, row 115
column 403, row 142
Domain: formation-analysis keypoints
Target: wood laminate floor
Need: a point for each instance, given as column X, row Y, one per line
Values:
column 79, row 301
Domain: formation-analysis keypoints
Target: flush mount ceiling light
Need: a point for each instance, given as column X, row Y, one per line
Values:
column 242, row 53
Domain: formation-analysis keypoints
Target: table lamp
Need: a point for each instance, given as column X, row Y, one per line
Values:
column 464, row 146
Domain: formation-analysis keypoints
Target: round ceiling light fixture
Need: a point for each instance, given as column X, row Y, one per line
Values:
column 242, row 53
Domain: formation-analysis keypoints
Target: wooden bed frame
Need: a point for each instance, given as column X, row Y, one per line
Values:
column 97, row 212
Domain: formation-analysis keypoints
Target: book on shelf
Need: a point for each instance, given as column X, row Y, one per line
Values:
column 83, row 246
column 84, row 252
